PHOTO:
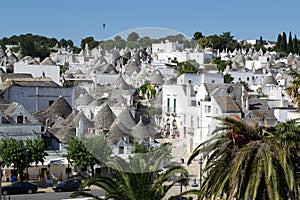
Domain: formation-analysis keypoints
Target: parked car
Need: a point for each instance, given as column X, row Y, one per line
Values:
column 67, row 185
column 19, row 188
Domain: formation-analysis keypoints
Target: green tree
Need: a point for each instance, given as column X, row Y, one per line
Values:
column 87, row 152
column 278, row 43
column 293, row 89
column 295, row 45
column 145, row 42
column 261, row 42
column 227, row 37
column 133, row 36
column 21, row 154
column 221, row 64
column 144, row 88
column 242, row 164
column 27, row 48
column 188, row 67
column 198, row 35
column 70, row 43
column 90, row 41
column 139, row 148
column 138, row 179
column 36, row 150
column 283, row 45
column 62, row 42
column 132, row 44
column 118, row 38
column 228, row 78
column 290, row 44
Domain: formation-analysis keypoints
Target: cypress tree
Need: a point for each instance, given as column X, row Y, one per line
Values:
column 290, row 44
column 278, row 43
column 284, row 43
column 261, row 44
column 295, row 45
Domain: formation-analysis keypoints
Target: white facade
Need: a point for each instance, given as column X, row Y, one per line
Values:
column 49, row 71
column 166, row 47
column 249, row 77
column 198, row 79
column 257, row 64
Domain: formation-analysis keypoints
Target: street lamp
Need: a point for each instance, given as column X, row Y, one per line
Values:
column 181, row 162
column 195, row 184
column 27, row 151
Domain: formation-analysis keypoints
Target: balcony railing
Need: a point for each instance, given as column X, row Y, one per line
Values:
column 170, row 109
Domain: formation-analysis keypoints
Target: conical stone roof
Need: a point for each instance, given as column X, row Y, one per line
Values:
column 84, row 100
column 59, row 108
column 142, row 130
column 104, row 118
column 117, row 131
column 121, row 84
column 156, row 78
column 48, row 61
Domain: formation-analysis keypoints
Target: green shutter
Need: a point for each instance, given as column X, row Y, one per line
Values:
column 174, row 105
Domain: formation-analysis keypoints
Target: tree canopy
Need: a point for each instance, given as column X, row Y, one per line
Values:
column 248, row 161
column 21, row 154
column 87, row 152
column 139, row 178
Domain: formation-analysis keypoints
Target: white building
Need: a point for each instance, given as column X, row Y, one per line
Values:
column 165, row 47
column 189, row 109
column 198, row 79
column 49, row 71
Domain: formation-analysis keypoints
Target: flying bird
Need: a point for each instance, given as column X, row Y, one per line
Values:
column 103, row 25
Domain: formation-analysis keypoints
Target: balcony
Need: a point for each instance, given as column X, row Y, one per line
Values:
column 169, row 110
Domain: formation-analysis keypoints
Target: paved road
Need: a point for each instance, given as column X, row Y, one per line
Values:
column 180, row 150
column 49, row 195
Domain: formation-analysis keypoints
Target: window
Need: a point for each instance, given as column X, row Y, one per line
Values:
column 92, row 115
column 248, row 78
column 121, row 150
column 50, row 102
column 207, row 109
column 20, row 119
column 213, row 81
column 168, row 105
column 217, row 111
column 193, row 103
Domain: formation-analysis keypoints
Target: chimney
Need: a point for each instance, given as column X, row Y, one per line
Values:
column 189, row 91
column 245, row 99
column 79, row 130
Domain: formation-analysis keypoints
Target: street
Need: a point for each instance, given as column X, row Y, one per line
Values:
column 50, row 195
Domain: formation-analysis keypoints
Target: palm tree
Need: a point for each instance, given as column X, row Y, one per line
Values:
column 248, row 161
column 138, row 179
column 293, row 89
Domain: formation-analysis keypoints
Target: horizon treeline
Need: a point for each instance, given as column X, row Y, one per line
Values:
column 41, row 46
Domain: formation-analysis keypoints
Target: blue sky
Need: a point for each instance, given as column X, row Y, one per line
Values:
column 76, row 20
